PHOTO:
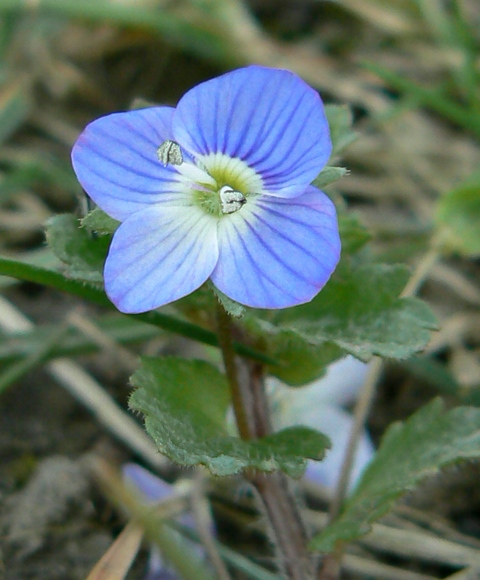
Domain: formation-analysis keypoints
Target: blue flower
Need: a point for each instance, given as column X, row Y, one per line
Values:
column 219, row 188
column 320, row 405
column 153, row 490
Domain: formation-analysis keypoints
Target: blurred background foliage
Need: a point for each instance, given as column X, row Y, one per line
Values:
column 410, row 71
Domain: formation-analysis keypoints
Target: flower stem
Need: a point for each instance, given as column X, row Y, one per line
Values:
column 287, row 530
column 225, row 339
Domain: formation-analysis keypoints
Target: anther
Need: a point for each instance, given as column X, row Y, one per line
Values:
column 169, row 152
column 231, row 200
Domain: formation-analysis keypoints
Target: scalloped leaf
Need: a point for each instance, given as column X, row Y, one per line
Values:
column 353, row 233
column 185, row 404
column 361, row 312
column 101, row 223
column 409, row 452
column 302, row 361
column 83, row 255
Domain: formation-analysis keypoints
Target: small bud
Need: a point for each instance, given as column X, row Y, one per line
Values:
column 169, row 152
column 231, row 200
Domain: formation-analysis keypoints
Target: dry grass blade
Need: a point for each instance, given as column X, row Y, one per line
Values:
column 373, row 569
column 92, row 395
column 118, row 559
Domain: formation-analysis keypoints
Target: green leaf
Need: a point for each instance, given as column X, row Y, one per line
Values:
column 353, row 234
column 117, row 327
column 98, row 221
column 302, row 361
column 18, row 369
column 32, row 273
column 185, row 404
column 340, row 121
column 409, row 452
column 233, row 308
column 83, row 254
column 328, row 175
column 358, row 312
column 458, row 213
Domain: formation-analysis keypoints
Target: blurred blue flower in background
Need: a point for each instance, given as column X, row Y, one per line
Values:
column 218, row 188
column 153, row 490
column 320, row 405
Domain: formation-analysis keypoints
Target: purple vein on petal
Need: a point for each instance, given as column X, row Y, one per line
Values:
column 249, row 288
column 145, row 271
column 264, row 272
column 135, row 173
column 234, row 152
column 291, row 241
column 279, row 260
column 153, row 248
column 327, row 214
column 151, row 160
column 257, row 143
column 157, row 194
column 278, row 134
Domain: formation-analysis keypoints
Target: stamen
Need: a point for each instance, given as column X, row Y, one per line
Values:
column 169, row 152
column 196, row 174
column 231, row 200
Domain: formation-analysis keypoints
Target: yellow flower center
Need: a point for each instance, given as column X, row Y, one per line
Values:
column 220, row 184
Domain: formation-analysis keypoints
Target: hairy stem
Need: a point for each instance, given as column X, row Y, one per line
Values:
column 240, row 394
column 287, row 530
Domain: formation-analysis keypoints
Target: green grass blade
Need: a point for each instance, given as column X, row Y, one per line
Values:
column 244, row 565
column 468, row 76
column 29, row 273
column 18, row 369
column 432, row 99
column 15, row 107
column 120, row 329
column 200, row 36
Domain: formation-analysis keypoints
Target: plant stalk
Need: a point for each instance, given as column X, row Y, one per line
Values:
column 287, row 530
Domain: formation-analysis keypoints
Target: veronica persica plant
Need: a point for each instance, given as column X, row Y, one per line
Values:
column 219, row 188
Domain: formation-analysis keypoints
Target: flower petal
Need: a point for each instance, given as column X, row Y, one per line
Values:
column 339, row 385
column 269, row 118
column 115, row 159
column 151, row 487
column 159, row 255
column 338, row 425
column 309, row 406
column 276, row 253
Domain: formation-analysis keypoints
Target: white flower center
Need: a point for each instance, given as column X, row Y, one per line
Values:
column 219, row 184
